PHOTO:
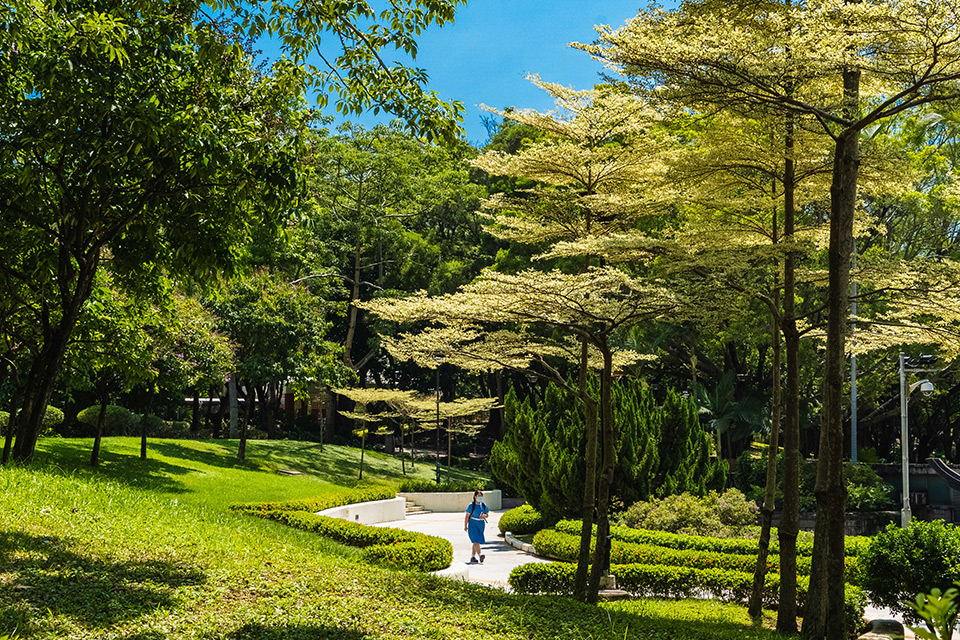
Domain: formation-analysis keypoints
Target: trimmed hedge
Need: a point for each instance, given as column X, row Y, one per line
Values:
column 566, row 547
column 675, row 582
column 381, row 545
column 853, row 544
column 448, row 486
column 521, row 520
column 314, row 504
column 396, row 548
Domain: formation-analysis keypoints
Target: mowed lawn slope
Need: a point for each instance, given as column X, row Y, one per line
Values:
column 147, row 551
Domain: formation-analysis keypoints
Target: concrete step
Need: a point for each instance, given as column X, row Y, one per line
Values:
column 418, row 512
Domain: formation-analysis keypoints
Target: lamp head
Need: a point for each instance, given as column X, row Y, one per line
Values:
column 927, row 388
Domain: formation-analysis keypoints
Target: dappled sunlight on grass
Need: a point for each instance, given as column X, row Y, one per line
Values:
column 206, row 472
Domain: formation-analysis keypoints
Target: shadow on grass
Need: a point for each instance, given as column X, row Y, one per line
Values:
column 45, row 573
column 555, row 616
column 294, row 632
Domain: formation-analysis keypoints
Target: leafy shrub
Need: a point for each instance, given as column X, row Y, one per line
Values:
column 719, row 515
column 118, row 421
column 866, row 491
column 171, row 429
column 52, row 417
column 900, row 563
column 449, row 486
column 521, row 520
column 853, row 544
column 676, row 582
column 314, row 504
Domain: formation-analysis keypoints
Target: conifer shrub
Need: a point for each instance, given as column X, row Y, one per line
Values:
column 661, row 448
column 521, row 520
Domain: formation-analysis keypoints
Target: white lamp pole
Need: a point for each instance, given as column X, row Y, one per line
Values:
column 905, row 515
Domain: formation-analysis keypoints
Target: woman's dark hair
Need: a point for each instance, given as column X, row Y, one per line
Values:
column 477, row 493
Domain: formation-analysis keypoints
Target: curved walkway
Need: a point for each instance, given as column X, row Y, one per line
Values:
column 500, row 559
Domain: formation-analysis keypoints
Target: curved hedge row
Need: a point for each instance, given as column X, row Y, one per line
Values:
column 675, row 582
column 315, row 504
column 566, row 547
column 852, row 544
column 521, row 520
column 381, row 545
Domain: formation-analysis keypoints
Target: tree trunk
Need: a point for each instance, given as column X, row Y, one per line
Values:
column 823, row 615
column 195, row 413
column 234, row 408
column 45, row 368
column 95, row 454
column 354, row 296
column 789, row 520
column 363, row 445
column 759, row 574
column 403, row 461
column 590, row 474
column 266, row 408
column 605, row 478
column 242, row 447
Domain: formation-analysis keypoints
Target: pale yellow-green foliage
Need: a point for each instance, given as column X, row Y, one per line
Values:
column 729, row 52
column 599, row 166
column 546, row 312
column 920, row 304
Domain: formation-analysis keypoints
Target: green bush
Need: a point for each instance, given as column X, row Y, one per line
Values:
column 719, row 515
column 314, row 504
column 853, row 544
column 563, row 546
column 866, row 491
column 449, row 486
column 676, row 582
column 521, row 520
column 900, row 563
column 118, row 421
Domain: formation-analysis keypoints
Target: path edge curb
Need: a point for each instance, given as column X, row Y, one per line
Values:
column 526, row 547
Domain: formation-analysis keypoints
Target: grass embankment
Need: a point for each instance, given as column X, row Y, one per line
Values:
column 146, row 551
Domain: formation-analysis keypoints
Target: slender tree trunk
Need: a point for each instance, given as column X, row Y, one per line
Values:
column 605, row 478
column 403, row 461
column 789, row 520
column 363, row 445
column 354, row 296
column 143, row 427
column 590, row 409
column 242, row 447
column 823, row 615
column 195, row 413
column 266, row 408
column 95, row 454
column 760, row 572
column 234, row 405
column 11, row 420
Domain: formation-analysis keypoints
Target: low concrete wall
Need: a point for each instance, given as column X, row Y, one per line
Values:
column 455, row 502
column 370, row 512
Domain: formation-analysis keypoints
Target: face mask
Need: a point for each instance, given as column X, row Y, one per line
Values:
column 480, row 499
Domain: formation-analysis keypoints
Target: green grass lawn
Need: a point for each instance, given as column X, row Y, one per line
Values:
column 146, row 551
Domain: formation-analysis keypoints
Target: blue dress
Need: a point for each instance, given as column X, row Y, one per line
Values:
column 475, row 528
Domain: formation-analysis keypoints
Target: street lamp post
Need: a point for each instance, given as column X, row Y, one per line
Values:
column 926, row 388
column 438, row 424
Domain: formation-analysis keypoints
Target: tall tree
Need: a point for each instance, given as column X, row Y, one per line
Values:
column 813, row 59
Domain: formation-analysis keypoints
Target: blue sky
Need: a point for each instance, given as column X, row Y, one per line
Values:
column 485, row 55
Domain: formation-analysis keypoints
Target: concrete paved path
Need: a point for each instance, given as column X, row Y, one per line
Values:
column 500, row 557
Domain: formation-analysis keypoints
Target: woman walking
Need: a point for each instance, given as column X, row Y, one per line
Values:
column 474, row 523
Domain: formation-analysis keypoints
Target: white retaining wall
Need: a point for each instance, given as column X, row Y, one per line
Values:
column 455, row 502
column 370, row 512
